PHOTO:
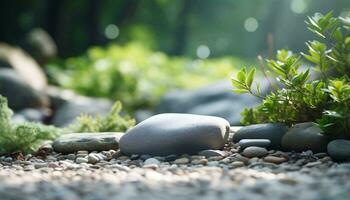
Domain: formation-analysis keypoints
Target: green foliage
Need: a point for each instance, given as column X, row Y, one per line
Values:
column 113, row 122
column 297, row 98
column 24, row 137
column 134, row 74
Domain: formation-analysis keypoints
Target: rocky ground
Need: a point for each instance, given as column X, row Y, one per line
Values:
column 228, row 174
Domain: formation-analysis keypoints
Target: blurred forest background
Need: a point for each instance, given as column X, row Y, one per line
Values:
column 226, row 27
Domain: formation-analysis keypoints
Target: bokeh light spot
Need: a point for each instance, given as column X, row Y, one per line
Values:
column 203, row 51
column 298, row 6
column 251, row 24
column 111, row 31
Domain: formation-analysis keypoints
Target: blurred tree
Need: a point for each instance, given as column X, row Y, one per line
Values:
column 226, row 27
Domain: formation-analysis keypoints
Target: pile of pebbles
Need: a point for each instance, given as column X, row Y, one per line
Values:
column 156, row 160
column 233, row 173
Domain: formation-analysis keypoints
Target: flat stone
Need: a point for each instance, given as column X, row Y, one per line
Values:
column 237, row 164
column 202, row 161
column 275, row 159
column 303, row 137
column 70, row 143
column 171, row 133
column 212, row 153
column 251, row 152
column 40, row 165
column 254, row 142
column 339, row 150
column 271, row 131
column 180, row 161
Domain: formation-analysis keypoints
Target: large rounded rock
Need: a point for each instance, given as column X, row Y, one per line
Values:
column 20, row 95
column 272, row 131
column 166, row 134
column 339, row 150
column 215, row 99
column 303, row 137
column 67, row 114
column 24, row 65
column 74, row 142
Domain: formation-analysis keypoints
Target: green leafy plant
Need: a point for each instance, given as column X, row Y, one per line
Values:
column 296, row 97
column 134, row 74
column 26, row 137
column 113, row 122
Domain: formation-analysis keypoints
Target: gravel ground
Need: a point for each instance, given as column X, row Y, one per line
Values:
column 232, row 176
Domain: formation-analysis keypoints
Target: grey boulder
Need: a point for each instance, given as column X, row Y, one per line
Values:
column 172, row 133
column 271, row 131
column 303, row 137
column 67, row 113
column 20, row 95
column 339, row 150
column 216, row 99
column 74, row 142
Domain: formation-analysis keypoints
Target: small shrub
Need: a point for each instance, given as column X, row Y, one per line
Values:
column 26, row 137
column 113, row 122
column 297, row 98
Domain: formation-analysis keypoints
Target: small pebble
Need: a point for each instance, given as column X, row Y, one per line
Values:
column 151, row 161
column 251, row 152
column 80, row 160
column 180, row 161
column 274, row 159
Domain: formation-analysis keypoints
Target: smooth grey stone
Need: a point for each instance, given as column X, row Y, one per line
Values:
column 254, row 142
column 19, row 94
column 303, row 137
column 216, row 99
column 151, row 161
column 67, row 114
column 172, row 133
column 339, row 150
column 211, row 153
column 74, row 142
column 270, row 131
column 252, row 152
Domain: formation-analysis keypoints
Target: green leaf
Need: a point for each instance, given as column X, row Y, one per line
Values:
column 241, row 75
column 242, row 91
column 250, row 77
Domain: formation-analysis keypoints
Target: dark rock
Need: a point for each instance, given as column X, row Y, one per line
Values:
column 167, row 134
column 215, row 100
column 170, row 158
column 69, row 111
column 254, row 142
column 20, row 95
column 74, row 142
column 251, row 152
column 271, row 131
column 339, row 150
column 303, row 137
